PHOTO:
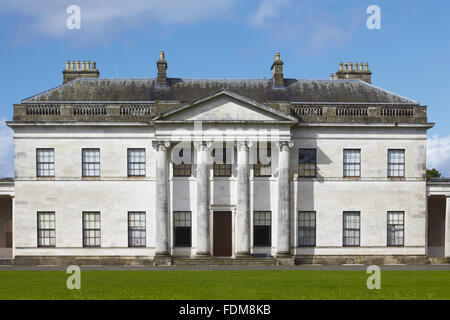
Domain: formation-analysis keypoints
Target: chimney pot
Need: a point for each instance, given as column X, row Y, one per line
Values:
column 71, row 73
column 277, row 72
column 341, row 66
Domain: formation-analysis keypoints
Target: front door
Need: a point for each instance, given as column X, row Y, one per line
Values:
column 222, row 246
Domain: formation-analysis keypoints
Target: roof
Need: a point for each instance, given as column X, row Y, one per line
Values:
column 184, row 90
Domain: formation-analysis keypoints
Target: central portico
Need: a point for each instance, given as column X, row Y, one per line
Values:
column 224, row 126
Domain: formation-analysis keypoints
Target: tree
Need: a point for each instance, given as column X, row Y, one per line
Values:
column 433, row 173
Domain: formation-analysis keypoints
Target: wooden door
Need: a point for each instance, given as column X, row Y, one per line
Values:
column 222, row 244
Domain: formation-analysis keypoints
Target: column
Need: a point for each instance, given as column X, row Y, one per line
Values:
column 203, row 168
column 283, row 246
column 243, row 201
column 447, row 227
column 162, row 189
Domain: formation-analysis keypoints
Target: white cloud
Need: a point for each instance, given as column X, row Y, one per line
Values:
column 268, row 9
column 99, row 18
column 6, row 151
column 438, row 154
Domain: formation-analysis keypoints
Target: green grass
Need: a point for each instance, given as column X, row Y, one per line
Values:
column 227, row 285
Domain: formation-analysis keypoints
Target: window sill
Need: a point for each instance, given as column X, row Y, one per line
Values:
column 90, row 178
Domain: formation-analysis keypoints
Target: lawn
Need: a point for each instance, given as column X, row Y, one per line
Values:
column 226, row 285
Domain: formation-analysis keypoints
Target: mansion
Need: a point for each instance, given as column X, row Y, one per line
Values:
column 204, row 171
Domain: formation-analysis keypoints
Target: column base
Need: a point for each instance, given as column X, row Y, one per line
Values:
column 162, row 259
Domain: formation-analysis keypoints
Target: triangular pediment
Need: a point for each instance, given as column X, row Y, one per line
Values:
column 224, row 106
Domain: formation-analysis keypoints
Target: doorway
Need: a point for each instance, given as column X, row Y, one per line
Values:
column 222, row 234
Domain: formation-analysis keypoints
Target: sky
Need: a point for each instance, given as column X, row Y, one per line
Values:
column 409, row 55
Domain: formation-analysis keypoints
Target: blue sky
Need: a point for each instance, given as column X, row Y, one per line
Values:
column 410, row 55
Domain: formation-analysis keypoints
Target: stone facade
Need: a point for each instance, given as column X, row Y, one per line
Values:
column 166, row 115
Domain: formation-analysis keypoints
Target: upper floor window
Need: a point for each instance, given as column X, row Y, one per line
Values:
column 307, row 163
column 395, row 228
column 352, row 229
column 91, row 162
column 352, row 163
column 306, row 228
column 396, row 163
column 263, row 166
column 91, row 229
column 182, row 228
column 136, row 229
column 45, row 162
column 183, row 169
column 46, row 229
column 262, row 229
column 136, row 162
column 222, row 169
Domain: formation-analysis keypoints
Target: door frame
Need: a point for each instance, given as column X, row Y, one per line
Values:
column 214, row 208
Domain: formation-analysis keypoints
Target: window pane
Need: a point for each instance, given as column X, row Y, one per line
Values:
column 351, row 229
column 263, row 167
column 136, row 162
column 262, row 228
column 307, row 162
column 396, row 163
column 352, row 163
column 46, row 229
column 136, row 229
column 91, row 229
column 182, row 169
column 395, row 228
column 45, row 162
column 306, row 228
column 91, row 162
column 182, row 228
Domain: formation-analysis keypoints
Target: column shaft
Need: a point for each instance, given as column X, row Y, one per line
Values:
column 283, row 246
column 243, row 201
column 162, row 243
column 203, row 240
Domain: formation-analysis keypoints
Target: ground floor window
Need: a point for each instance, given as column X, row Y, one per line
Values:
column 262, row 229
column 136, row 229
column 395, row 228
column 91, row 229
column 352, row 227
column 306, row 229
column 46, row 229
column 182, row 226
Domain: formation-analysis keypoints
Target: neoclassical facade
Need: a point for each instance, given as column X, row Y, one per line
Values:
column 174, row 171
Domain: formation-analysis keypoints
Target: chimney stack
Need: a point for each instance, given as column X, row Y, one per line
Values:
column 74, row 71
column 363, row 74
column 277, row 72
column 161, row 81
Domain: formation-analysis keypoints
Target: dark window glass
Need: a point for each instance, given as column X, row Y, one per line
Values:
column 136, row 162
column 396, row 163
column 45, row 162
column 307, row 163
column 182, row 228
column 396, row 228
column 46, row 229
column 91, row 162
column 91, row 229
column 183, row 169
column 263, row 168
column 136, row 229
column 262, row 229
column 307, row 229
column 352, row 163
column 222, row 169
column 351, row 229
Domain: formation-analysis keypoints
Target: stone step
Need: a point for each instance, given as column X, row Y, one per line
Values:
column 439, row 260
column 224, row 261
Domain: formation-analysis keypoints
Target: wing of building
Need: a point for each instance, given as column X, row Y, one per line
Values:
column 167, row 170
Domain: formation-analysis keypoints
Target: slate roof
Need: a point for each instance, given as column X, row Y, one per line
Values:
column 184, row 90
